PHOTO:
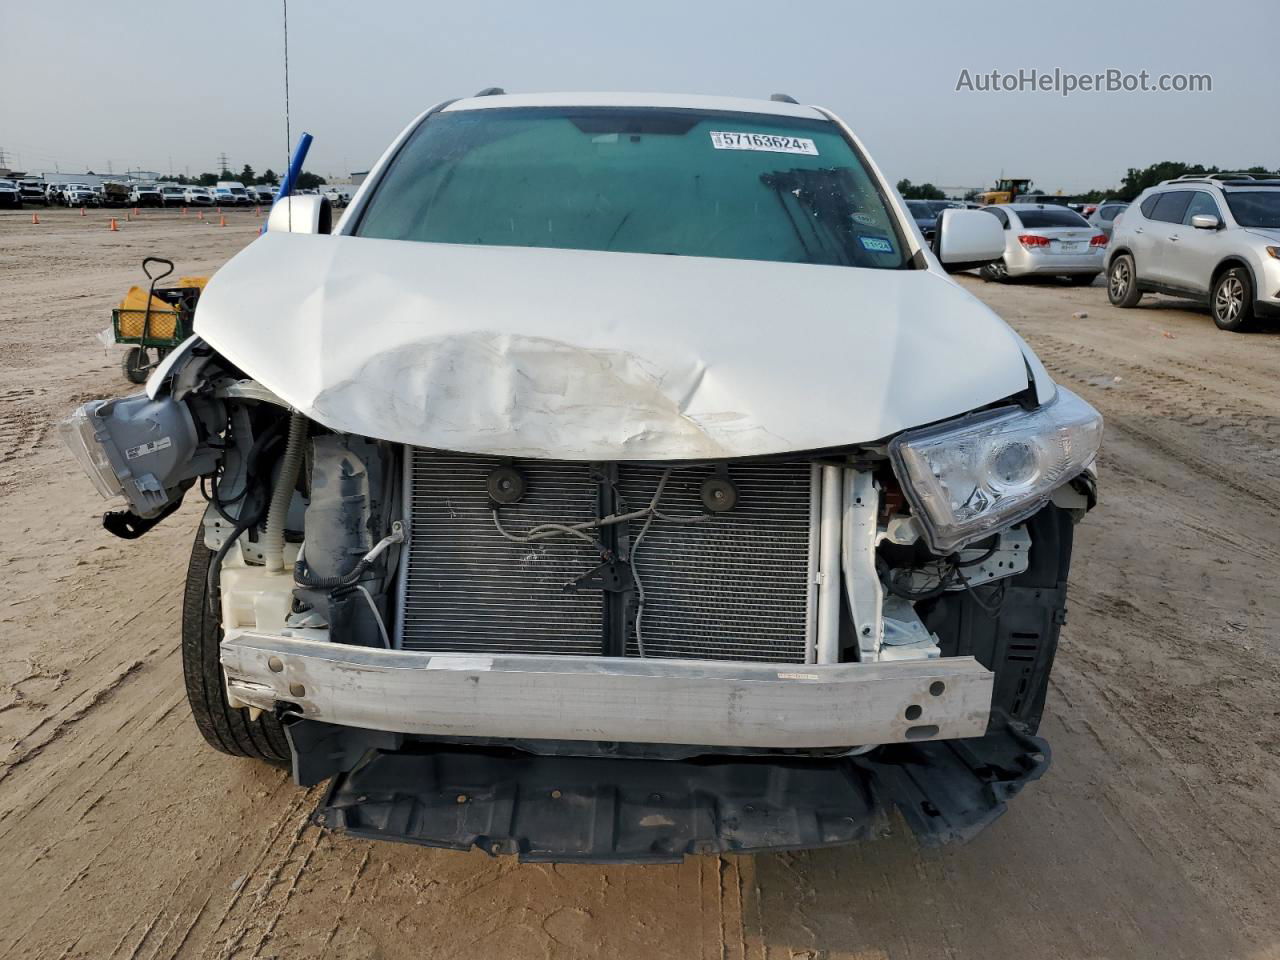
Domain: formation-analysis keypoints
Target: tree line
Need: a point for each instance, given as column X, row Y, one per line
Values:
column 1138, row 179
column 248, row 176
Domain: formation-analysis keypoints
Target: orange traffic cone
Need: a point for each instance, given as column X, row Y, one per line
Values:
column 114, row 228
column 222, row 221
column 35, row 218
column 82, row 213
column 257, row 211
column 184, row 211
column 135, row 211
column 128, row 217
column 199, row 214
column 219, row 209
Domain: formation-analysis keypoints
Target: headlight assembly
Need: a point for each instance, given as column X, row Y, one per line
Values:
column 970, row 477
column 147, row 451
column 80, row 433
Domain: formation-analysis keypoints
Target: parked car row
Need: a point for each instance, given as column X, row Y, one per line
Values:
column 1212, row 239
column 141, row 194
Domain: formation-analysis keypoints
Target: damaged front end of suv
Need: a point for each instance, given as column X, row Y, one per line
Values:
column 621, row 480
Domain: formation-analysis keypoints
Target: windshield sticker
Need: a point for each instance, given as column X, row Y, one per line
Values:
column 866, row 219
column 876, row 244
column 768, row 142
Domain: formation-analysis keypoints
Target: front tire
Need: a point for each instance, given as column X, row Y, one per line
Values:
column 995, row 272
column 225, row 729
column 1122, row 282
column 1232, row 300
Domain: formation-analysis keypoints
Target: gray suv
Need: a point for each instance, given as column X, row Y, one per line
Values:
column 1215, row 240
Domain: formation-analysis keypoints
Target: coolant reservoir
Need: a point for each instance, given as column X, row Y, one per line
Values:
column 254, row 599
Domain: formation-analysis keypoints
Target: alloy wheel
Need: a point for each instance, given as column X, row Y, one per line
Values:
column 1229, row 300
column 1119, row 280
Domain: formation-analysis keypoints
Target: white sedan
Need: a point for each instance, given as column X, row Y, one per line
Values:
column 1046, row 240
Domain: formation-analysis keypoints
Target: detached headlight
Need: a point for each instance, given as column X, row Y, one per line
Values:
column 85, row 441
column 968, row 478
column 147, row 451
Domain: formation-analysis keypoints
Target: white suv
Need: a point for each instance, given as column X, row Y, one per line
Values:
column 623, row 460
column 1216, row 240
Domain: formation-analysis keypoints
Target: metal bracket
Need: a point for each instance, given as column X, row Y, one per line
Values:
column 862, row 582
column 1011, row 557
column 612, row 577
column 127, row 525
column 905, row 635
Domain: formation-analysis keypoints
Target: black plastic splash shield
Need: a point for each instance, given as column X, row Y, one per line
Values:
column 611, row 810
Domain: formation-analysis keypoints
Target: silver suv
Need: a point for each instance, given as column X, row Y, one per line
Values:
column 1215, row 239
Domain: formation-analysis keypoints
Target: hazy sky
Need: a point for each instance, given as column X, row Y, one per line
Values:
column 147, row 84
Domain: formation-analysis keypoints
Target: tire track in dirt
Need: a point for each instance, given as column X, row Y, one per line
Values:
column 24, row 751
column 1161, row 413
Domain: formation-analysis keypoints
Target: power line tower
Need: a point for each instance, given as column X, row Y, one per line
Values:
column 4, row 159
column 224, row 165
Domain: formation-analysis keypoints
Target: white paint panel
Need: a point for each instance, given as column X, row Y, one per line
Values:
column 572, row 354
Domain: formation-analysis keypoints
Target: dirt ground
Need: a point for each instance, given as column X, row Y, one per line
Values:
column 1154, row 835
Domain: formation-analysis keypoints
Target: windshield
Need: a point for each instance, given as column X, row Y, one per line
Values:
column 1255, row 208
column 659, row 181
column 920, row 209
column 237, row 189
column 1054, row 217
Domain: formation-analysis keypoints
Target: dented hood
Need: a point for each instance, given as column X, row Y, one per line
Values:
column 582, row 355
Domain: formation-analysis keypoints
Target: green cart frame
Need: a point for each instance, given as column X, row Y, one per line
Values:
column 146, row 347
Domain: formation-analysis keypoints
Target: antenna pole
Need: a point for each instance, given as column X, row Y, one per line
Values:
column 288, row 134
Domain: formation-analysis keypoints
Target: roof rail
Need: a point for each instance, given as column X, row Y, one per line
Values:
column 491, row 92
column 1224, row 175
column 782, row 98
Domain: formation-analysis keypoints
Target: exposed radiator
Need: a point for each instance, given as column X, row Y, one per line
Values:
column 736, row 586
column 469, row 589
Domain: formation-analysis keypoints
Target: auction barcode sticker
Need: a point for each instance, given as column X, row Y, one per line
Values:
column 769, row 142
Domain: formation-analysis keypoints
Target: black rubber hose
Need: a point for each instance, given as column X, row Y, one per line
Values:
column 306, row 578
column 246, row 521
column 215, row 564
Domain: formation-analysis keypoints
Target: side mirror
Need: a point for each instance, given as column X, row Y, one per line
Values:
column 968, row 239
column 301, row 213
column 1205, row 221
